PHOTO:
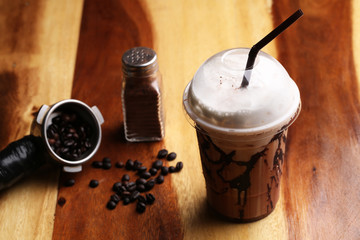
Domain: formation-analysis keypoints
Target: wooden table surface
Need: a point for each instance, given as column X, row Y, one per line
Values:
column 54, row 50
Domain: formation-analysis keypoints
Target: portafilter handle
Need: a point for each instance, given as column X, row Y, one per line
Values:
column 20, row 158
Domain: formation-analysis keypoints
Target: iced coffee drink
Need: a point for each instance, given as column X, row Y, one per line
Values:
column 242, row 131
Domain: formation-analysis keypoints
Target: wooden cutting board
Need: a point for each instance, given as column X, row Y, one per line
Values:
column 56, row 50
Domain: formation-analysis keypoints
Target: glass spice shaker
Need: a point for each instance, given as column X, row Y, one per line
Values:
column 142, row 96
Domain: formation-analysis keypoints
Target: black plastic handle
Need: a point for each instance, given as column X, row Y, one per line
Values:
column 19, row 159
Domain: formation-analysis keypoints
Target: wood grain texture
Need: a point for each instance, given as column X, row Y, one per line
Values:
column 38, row 41
column 108, row 29
column 321, row 182
column 320, row 195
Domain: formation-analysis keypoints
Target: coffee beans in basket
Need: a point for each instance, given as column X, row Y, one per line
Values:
column 69, row 136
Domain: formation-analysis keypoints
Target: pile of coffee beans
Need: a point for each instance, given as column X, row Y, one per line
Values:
column 127, row 191
column 69, row 136
column 137, row 191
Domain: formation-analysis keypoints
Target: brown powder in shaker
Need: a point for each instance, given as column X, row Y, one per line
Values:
column 142, row 96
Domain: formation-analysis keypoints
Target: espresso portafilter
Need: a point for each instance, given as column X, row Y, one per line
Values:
column 24, row 156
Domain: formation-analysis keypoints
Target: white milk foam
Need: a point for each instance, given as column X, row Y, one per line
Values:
column 215, row 97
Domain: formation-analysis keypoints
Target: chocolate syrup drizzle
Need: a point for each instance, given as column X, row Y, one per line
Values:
column 242, row 182
column 278, row 158
column 278, row 161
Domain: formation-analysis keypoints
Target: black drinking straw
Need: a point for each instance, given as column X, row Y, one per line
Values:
column 263, row 42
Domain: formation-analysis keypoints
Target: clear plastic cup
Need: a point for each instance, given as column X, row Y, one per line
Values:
column 242, row 131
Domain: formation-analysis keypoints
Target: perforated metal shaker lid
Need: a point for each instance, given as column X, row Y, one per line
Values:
column 139, row 57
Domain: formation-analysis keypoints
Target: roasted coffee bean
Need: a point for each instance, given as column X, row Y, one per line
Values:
column 157, row 164
column 71, row 130
column 51, row 131
column 140, row 207
column 69, row 182
column 97, row 164
column 130, row 184
column 115, row 198
column 94, row 183
column 106, row 160
column 134, row 195
column 141, row 187
column 131, row 187
column 122, row 189
column 57, row 143
column 141, row 169
column 62, row 129
column 145, row 175
column 159, row 179
column 140, row 181
column 171, row 156
column 88, row 144
column 65, row 117
column 126, row 200
column 164, row 170
column 73, row 117
column 61, row 201
column 117, row 186
column 68, row 136
column 82, row 131
column 179, row 166
column 56, row 120
column 150, row 199
column 64, row 150
column 69, row 142
column 125, row 194
column 106, row 165
column 150, row 184
column 137, row 165
column 153, row 171
column 119, row 164
column 111, row 205
column 129, row 164
column 78, row 149
column 125, row 178
column 172, row 169
column 141, row 198
column 51, row 141
column 162, row 153
column 54, row 127
column 56, row 136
